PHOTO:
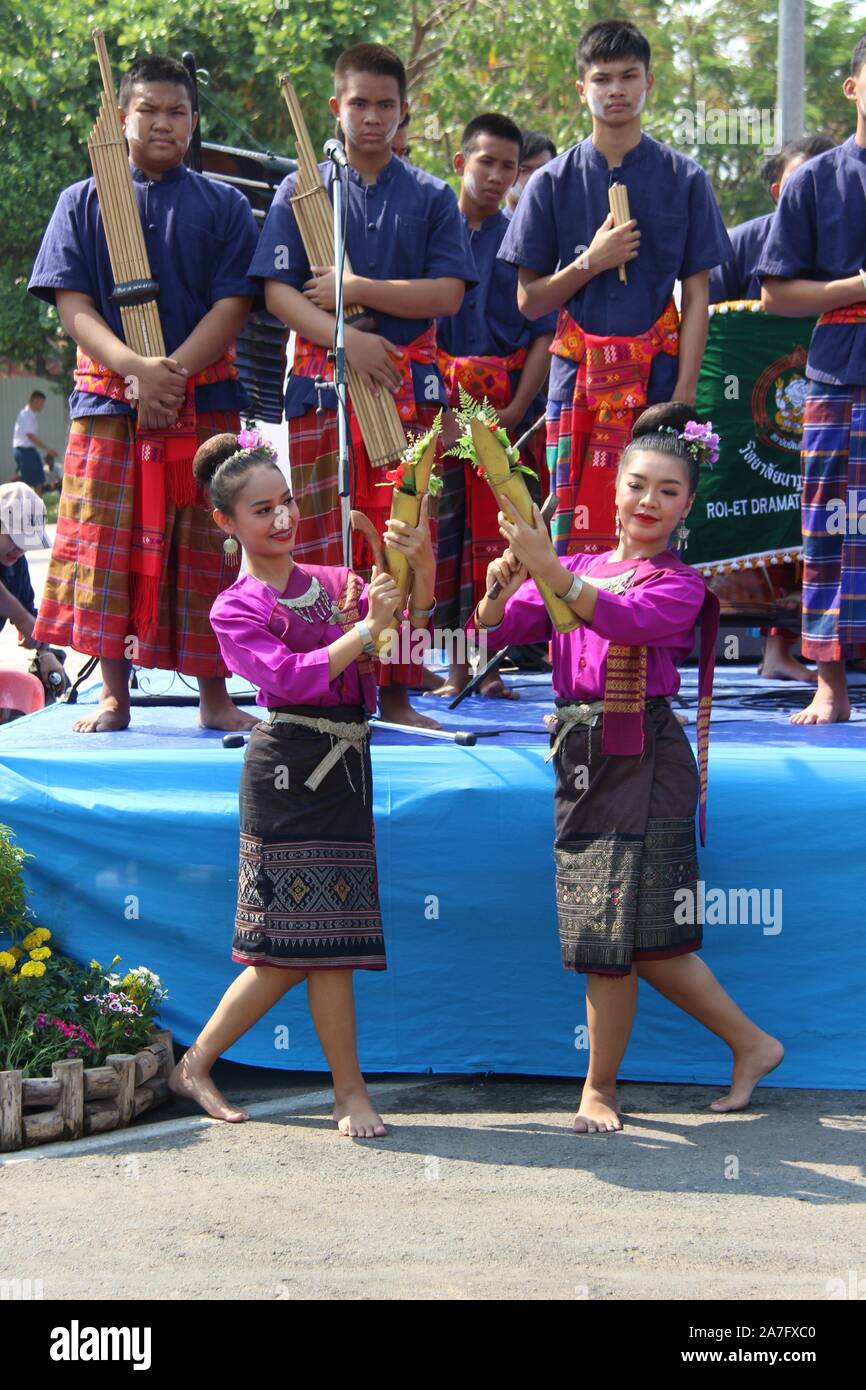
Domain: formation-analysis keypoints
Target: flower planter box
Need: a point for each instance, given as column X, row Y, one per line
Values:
column 73, row 1102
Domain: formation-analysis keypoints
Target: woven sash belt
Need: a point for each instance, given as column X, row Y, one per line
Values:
column 349, row 735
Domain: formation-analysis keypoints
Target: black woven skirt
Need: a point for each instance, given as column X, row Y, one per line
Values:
column 626, row 857
column 308, row 892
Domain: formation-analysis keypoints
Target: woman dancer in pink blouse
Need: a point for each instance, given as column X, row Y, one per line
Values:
column 308, row 901
column 627, row 787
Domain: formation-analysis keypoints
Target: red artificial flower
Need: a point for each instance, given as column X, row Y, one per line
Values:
column 395, row 475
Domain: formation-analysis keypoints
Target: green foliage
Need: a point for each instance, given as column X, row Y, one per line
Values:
column 15, row 917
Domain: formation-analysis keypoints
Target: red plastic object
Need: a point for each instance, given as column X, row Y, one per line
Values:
column 20, row 690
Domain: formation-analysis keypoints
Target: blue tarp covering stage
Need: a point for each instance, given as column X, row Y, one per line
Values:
column 135, row 837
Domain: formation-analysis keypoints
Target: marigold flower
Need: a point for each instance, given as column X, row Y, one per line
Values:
column 41, row 953
column 7, row 960
column 33, row 968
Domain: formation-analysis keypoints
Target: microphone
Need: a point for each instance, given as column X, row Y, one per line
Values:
column 335, row 152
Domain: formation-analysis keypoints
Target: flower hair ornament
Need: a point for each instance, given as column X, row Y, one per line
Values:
column 250, row 442
column 701, row 442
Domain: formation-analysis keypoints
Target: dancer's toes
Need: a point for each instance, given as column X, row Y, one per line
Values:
column 750, row 1066
column 194, row 1085
column 598, row 1113
column 357, row 1117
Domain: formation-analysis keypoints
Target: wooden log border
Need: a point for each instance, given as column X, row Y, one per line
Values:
column 73, row 1102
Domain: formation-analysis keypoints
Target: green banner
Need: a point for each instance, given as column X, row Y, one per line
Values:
column 753, row 388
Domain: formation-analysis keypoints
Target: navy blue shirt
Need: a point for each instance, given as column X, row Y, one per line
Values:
column 199, row 235
column 736, row 278
column 405, row 226
column 16, row 578
column 489, row 323
column 682, row 232
column 819, row 233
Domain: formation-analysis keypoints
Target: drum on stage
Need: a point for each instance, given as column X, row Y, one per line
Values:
column 744, row 528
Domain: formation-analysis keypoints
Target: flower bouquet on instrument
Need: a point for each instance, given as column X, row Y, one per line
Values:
column 485, row 445
column 411, row 477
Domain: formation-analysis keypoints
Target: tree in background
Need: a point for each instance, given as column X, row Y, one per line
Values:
column 462, row 56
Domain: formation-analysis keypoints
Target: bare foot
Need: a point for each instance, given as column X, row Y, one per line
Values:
column 399, row 711
column 786, row 668
column 496, row 689
column 598, row 1113
column 828, row 707
column 224, row 715
column 432, row 680
column 192, row 1085
column 357, row 1117
column 750, row 1065
column 109, row 716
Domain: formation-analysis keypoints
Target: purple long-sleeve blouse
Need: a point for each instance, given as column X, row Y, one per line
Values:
column 659, row 612
column 279, row 641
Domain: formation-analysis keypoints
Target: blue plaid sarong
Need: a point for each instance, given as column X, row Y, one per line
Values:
column 834, row 522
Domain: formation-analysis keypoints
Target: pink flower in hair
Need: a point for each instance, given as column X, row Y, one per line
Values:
column 249, row 439
column 695, row 433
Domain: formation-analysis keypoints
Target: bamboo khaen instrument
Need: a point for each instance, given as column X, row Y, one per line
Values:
column 494, row 462
column 378, row 418
column 618, row 198
column 135, row 290
column 404, row 507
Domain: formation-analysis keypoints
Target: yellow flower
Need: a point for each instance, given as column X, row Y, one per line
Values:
column 36, row 938
column 115, row 960
column 41, row 953
column 33, row 967
column 7, row 960
column 94, row 965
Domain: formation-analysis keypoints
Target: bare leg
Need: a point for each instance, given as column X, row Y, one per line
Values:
column 831, row 704
column 112, row 712
column 245, row 1001
column 779, row 665
column 395, row 708
column 332, row 1004
column 610, row 1006
column 216, row 708
column 692, row 986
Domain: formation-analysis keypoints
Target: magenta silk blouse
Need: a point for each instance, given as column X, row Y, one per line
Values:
column 660, row 613
column 280, row 651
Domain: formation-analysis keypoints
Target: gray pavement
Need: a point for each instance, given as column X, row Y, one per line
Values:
column 480, row 1191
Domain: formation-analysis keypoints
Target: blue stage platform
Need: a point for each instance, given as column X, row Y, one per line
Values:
column 135, row 837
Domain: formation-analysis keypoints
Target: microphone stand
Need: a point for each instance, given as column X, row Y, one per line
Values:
column 339, row 361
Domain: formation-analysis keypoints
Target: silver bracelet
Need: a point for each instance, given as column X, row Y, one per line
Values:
column 573, row 590
column 488, row 627
column 367, row 638
column 423, row 612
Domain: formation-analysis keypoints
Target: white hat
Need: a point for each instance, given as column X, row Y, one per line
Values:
column 22, row 516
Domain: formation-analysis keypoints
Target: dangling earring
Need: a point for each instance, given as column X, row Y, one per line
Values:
column 618, row 526
column 230, row 550
column 682, row 536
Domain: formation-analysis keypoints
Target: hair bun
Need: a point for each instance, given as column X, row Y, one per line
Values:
column 673, row 415
column 211, row 454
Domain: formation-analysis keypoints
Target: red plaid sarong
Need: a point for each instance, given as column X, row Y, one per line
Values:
column 468, row 530
column 85, row 604
column 610, row 390
column 313, row 463
column 163, row 473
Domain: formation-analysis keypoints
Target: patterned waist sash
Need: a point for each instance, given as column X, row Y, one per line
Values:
column 610, row 387
column 625, row 700
column 311, row 360
column 480, row 376
column 343, row 736
column 851, row 313
column 163, row 473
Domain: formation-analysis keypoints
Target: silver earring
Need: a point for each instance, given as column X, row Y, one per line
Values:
column 618, row 526
column 230, row 550
column 682, row 536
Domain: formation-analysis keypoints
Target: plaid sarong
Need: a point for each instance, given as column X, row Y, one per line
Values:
column 834, row 550
column 313, row 462
column 586, row 436
column 85, row 604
